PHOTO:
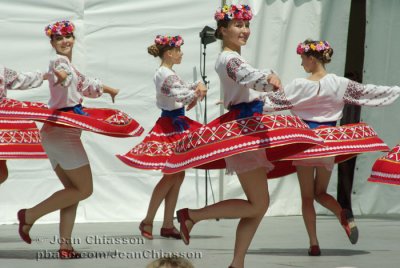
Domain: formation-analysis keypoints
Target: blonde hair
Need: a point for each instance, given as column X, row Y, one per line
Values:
column 170, row 262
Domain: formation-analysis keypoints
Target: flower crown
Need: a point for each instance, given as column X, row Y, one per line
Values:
column 63, row 27
column 172, row 41
column 318, row 46
column 239, row 12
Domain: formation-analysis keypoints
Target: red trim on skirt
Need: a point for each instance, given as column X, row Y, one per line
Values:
column 104, row 121
column 386, row 169
column 280, row 135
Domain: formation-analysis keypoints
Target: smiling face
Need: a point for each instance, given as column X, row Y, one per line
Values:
column 236, row 34
column 63, row 44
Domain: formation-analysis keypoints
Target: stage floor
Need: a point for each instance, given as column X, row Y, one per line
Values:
column 280, row 242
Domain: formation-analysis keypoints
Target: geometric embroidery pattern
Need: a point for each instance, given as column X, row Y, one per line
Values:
column 241, row 127
column 104, row 121
column 20, row 139
column 386, row 169
column 394, row 154
column 344, row 142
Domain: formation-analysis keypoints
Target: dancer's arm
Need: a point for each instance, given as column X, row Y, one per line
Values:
column 249, row 77
column 25, row 80
column 368, row 95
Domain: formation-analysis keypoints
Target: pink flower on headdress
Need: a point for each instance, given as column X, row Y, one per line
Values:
column 219, row 15
column 239, row 12
column 172, row 41
column 179, row 42
column 318, row 46
column 300, row 49
column 59, row 28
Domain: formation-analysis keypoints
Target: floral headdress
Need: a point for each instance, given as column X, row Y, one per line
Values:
column 316, row 46
column 239, row 12
column 63, row 27
column 172, row 41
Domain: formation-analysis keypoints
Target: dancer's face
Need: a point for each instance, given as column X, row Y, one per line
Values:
column 63, row 44
column 237, row 33
column 308, row 63
column 175, row 55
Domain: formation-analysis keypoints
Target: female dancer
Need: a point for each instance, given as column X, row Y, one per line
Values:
column 63, row 145
column 319, row 101
column 172, row 94
column 16, row 144
column 245, row 134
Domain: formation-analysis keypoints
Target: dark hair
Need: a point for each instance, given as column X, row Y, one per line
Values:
column 220, row 24
column 158, row 50
column 324, row 56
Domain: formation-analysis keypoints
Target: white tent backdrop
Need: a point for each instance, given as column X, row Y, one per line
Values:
column 111, row 43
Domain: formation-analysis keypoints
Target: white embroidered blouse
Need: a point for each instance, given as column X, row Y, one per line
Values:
column 171, row 91
column 323, row 100
column 239, row 80
column 69, row 93
column 10, row 80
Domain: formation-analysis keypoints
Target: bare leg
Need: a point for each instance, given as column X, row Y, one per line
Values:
column 247, row 227
column 159, row 193
column 170, row 200
column 82, row 188
column 67, row 215
column 3, row 171
column 250, row 211
column 321, row 196
column 306, row 181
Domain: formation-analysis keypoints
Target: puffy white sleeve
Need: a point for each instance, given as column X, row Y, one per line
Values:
column 89, row 87
column 15, row 80
column 368, row 95
column 247, row 76
column 295, row 94
column 62, row 64
column 181, row 91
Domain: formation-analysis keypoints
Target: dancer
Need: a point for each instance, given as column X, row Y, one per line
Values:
column 240, row 136
column 319, row 101
column 62, row 144
column 20, row 138
column 172, row 94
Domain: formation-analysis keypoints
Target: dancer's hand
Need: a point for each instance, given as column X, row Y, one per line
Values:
column 201, row 91
column 275, row 81
column 60, row 75
column 45, row 76
column 112, row 91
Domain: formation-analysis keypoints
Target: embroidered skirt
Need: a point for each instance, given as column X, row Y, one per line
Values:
column 342, row 143
column 20, row 139
column 386, row 169
column 157, row 147
column 280, row 135
column 108, row 122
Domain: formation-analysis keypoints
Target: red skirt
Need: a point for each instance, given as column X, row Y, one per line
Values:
column 108, row 122
column 280, row 135
column 343, row 142
column 20, row 139
column 158, row 146
column 386, row 169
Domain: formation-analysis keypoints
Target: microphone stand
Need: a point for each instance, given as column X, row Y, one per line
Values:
column 203, row 54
